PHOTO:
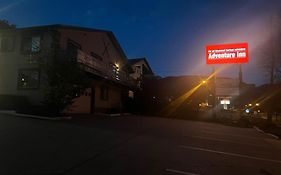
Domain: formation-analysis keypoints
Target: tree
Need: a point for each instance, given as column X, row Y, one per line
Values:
column 65, row 82
column 269, row 52
column 269, row 56
column 4, row 24
column 64, row 79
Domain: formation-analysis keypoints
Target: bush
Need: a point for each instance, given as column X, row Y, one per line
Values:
column 41, row 110
column 13, row 102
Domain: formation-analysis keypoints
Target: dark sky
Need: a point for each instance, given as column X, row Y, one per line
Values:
column 171, row 34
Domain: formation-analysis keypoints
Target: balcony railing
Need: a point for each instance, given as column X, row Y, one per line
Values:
column 96, row 66
column 90, row 61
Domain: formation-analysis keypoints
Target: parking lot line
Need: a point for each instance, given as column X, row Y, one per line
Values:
column 180, row 172
column 232, row 135
column 230, row 154
column 226, row 141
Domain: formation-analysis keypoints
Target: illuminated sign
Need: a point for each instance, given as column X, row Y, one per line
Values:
column 225, row 102
column 227, row 53
column 227, row 87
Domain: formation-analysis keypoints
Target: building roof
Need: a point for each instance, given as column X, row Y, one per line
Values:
column 55, row 26
column 58, row 26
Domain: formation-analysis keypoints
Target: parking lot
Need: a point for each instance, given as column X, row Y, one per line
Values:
column 133, row 145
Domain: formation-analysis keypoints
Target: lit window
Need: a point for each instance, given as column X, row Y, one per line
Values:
column 131, row 94
column 6, row 44
column 35, row 44
column 31, row 44
column 115, row 71
column 28, row 78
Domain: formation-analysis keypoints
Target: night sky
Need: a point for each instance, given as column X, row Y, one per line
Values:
column 171, row 34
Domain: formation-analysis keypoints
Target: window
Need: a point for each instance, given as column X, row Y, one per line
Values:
column 138, row 69
column 28, row 78
column 96, row 56
column 131, row 94
column 72, row 48
column 115, row 71
column 6, row 44
column 104, row 93
column 31, row 44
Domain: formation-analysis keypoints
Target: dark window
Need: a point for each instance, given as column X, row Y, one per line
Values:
column 31, row 44
column 28, row 78
column 104, row 93
column 6, row 44
column 96, row 56
column 72, row 48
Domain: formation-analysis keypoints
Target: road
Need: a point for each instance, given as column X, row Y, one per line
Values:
column 134, row 146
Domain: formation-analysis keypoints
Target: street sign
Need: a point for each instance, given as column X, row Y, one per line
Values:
column 227, row 53
column 227, row 87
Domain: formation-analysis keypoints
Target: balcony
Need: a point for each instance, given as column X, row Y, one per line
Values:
column 96, row 66
column 90, row 62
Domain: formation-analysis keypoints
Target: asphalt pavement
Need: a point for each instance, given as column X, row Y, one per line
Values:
column 133, row 145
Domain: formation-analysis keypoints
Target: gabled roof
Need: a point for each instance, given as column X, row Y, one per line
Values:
column 58, row 26
column 55, row 26
column 135, row 60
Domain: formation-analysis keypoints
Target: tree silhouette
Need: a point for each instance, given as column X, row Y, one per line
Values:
column 4, row 24
column 269, row 60
column 64, row 79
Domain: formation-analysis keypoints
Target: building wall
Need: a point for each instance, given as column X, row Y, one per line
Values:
column 90, row 41
column 12, row 62
column 114, row 100
column 82, row 104
column 138, row 69
column 93, row 42
column 96, row 42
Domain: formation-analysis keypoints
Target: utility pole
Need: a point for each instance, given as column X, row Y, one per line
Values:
column 240, row 78
column 272, row 63
column 240, row 74
column 272, row 72
column 214, row 97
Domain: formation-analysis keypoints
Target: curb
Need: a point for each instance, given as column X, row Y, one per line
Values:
column 269, row 134
column 13, row 113
column 114, row 114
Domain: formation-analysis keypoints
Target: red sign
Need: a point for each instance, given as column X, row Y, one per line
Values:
column 227, row 53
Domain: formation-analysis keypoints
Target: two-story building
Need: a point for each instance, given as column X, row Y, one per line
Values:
column 98, row 51
column 140, row 70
